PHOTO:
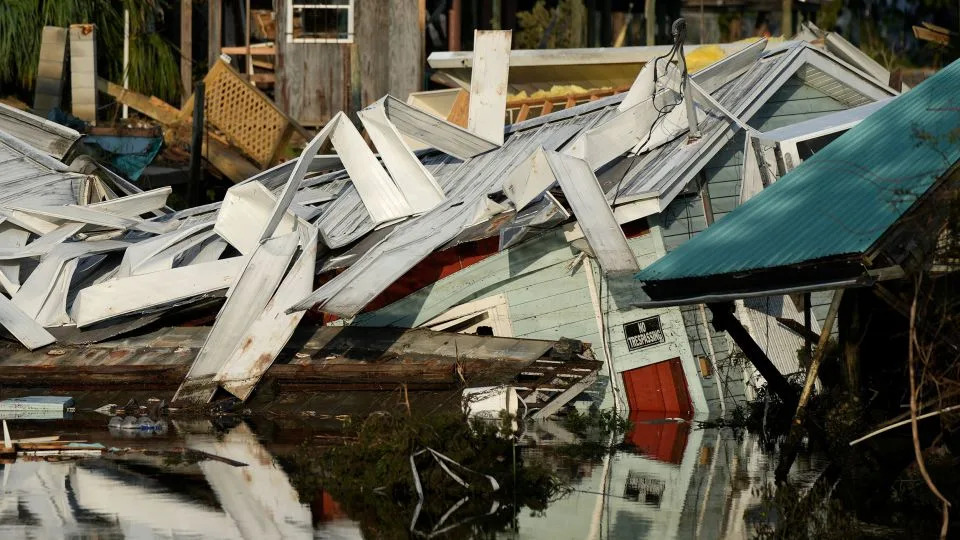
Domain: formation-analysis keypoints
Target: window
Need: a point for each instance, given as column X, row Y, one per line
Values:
column 320, row 21
column 487, row 316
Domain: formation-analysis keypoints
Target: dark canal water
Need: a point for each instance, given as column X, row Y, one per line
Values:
column 672, row 480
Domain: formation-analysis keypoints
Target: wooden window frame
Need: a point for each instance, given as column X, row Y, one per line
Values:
column 292, row 5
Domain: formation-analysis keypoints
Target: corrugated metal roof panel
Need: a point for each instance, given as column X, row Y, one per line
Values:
column 842, row 199
column 33, row 177
column 416, row 238
column 40, row 133
column 672, row 166
column 667, row 169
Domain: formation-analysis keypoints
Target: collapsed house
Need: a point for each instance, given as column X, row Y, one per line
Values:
column 536, row 274
column 533, row 231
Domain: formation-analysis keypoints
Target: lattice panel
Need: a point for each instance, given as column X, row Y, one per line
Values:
column 248, row 119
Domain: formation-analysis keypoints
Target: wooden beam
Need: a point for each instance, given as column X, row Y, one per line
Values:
column 453, row 25
column 254, row 51
column 186, row 49
column 196, row 145
column 262, row 78
column 724, row 321
column 926, row 34
column 786, row 29
column 808, row 339
column 606, row 22
column 851, row 332
column 153, row 107
column 214, row 35
column 488, row 83
column 422, row 22
column 524, row 113
column 228, row 161
column 246, row 36
column 792, row 444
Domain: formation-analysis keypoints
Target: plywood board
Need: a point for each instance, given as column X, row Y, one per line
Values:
column 593, row 213
column 418, row 186
column 252, row 291
column 136, row 294
column 244, row 214
column 488, row 83
column 271, row 331
column 26, row 330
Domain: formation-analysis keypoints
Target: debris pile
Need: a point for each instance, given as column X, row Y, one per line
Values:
column 364, row 232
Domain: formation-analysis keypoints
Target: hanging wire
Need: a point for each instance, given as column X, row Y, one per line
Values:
column 679, row 32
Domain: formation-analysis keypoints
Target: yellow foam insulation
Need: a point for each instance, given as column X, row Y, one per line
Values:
column 697, row 59
column 555, row 90
column 702, row 57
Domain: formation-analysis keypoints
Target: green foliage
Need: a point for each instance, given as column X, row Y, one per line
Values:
column 154, row 69
column 569, row 28
column 596, row 422
column 19, row 41
column 154, row 64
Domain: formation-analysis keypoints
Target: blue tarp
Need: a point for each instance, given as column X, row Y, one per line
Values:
column 127, row 156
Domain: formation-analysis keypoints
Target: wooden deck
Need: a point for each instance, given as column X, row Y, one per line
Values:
column 317, row 360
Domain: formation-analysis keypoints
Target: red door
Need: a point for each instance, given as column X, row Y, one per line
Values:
column 658, row 388
column 655, row 393
column 661, row 439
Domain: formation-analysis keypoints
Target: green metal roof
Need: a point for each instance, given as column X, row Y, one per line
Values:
column 841, row 200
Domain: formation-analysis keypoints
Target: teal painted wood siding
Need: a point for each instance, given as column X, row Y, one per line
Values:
column 685, row 217
column 546, row 297
column 549, row 297
column 794, row 102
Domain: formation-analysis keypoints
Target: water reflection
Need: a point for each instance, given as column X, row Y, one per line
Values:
column 673, row 482
column 676, row 482
column 142, row 496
